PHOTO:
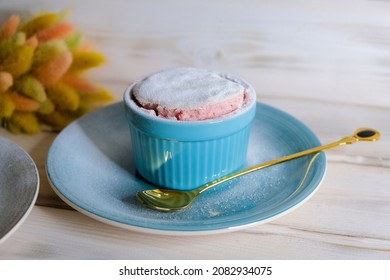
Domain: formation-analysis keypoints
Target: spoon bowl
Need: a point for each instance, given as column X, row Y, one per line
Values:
column 171, row 200
column 167, row 200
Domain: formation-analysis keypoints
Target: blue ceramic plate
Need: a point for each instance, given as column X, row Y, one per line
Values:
column 19, row 183
column 90, row 167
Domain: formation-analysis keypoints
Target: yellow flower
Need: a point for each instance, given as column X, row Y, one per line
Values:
column 64, row 97
column 74, row 40
column 7, row 107
column 90, row 101
column 41, row 62
column 18, row 61
column 38, row 23
column 58, row 119
column 47, row 51
column 46, row 107
column 31, row 87
column 7, row 45
column 83, row 60
column 23, row 122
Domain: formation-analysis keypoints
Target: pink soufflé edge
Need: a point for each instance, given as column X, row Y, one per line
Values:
column 210, row 111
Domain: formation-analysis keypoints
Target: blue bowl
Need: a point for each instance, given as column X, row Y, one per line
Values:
column 184, row 155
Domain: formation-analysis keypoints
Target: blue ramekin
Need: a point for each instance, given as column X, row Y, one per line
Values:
column 183, row 155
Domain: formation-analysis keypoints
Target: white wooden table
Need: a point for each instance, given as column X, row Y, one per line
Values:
column 325, row 62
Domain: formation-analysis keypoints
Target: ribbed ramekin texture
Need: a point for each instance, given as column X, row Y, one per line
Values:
column 185, row 165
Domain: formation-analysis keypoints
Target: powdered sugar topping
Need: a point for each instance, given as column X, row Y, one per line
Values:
column 186, row 88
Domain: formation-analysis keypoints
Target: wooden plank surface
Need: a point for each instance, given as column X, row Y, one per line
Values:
column 325, row 62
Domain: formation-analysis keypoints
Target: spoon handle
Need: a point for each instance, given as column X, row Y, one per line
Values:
column 346, row 140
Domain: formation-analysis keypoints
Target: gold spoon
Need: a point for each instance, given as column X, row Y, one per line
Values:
column 169, row 200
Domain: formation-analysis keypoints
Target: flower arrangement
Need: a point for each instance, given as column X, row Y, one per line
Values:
column 42, row 80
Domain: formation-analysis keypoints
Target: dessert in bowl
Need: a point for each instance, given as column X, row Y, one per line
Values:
column 189, row 126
